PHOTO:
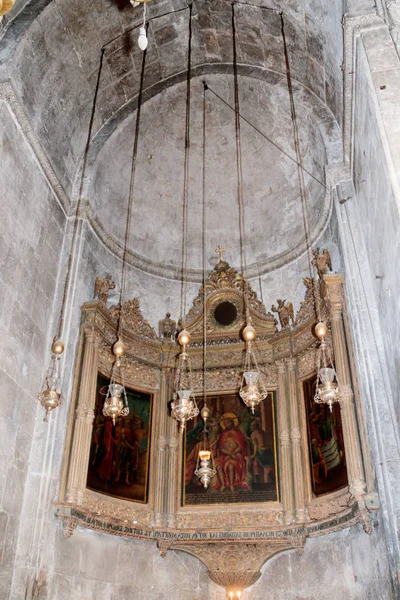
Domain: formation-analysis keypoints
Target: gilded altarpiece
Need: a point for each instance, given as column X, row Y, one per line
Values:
column 234, row 537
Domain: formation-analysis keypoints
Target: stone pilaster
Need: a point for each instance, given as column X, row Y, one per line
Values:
column 286, row 474
column 355, row 471
column 296, row 443
column 83, row 423
column 162, row 447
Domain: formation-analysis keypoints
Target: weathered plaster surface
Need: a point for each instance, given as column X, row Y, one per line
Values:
column 274, row 225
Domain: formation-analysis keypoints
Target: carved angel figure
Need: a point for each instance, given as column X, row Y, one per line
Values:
column 102, row 287
column 322, row 261
column 167, row 327
column 285, row 312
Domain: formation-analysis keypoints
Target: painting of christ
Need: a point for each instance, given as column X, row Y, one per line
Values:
column 244, row 450
column 119, row 455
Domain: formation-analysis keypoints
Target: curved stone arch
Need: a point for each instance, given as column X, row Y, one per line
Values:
column 327, row 126
column 62, row 38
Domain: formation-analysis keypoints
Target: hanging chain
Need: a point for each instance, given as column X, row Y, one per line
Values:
column 67, row 282
column 300, row 171
column 131, row 196
column 186, row 176
column 239, row 173
column 204, row 247
column 239, row 170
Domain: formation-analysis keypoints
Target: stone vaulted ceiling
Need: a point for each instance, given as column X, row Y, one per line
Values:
column 53, row 48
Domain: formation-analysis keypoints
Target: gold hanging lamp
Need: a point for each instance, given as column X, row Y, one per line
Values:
column 327, row 389
column 184, row 406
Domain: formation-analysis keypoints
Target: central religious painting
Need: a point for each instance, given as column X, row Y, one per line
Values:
column 244, row 447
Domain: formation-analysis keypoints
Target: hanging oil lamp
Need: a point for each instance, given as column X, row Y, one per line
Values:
column 184, row 407
column 205, row 469
column 116, row 402
column 50, row 396
column 327, row 389
column 252, row 390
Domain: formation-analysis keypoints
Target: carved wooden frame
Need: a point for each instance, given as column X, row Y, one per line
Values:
column 288, row 356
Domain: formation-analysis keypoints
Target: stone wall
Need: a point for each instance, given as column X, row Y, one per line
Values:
column 369, row 223
column 31, row 238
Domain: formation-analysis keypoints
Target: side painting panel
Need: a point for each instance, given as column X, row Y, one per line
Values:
column 325, row 442
column 120, row 454
column 244, row 447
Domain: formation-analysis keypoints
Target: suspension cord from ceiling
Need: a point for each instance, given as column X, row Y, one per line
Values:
column 204, row 243
column 239, row 170
column 61, row 321
column 300, row 170
column 186, row 176
column 299, row 165
column 131, row 196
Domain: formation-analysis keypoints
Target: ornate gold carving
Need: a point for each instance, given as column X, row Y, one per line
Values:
column 109, row 511
column 220, row 535
column 285, row 311
column 227, row 279
column 133, row 319
column 295, row 435
column 323, row 508
column 218, row 519
column 322, row 261
column 235, row 564
column 69, row 526
column 284, row 438
column 364, row 518
column 167, row 328
column 6, row 6
column 307, row 307
column 102, row 287
column 307, row 363
column 162, row 443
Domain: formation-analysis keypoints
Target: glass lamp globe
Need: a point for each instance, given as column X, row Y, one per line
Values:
column 114, row 406
column 184, row 407
column 251, row 393
column 327, row 392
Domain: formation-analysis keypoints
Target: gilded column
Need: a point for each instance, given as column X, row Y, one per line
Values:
column 173, row 446
column 162, row 445
column 296, row 445
column 334, row 293
column 84, row 422
column 286, row 476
